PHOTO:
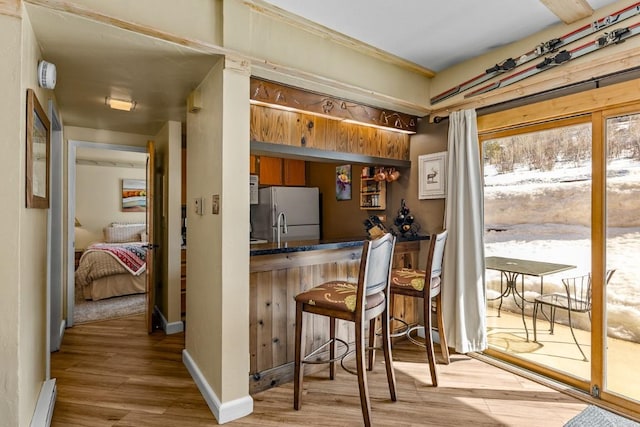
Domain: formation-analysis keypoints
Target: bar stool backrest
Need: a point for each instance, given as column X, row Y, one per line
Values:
column 375, row 271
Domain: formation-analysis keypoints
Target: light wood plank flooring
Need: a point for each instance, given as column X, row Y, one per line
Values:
column 112, row 373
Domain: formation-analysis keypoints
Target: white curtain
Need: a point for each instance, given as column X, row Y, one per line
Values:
column 463, row 293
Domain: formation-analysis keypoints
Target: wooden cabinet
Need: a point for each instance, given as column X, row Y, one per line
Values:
column 310, row 131
column 294, row 172
column 183, row 282
column 373, row 194
column 270, row 170
column 277, row 171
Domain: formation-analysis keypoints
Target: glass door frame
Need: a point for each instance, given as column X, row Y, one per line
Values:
column 597, row 106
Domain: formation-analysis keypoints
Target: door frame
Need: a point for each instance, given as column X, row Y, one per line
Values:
column 71, row 210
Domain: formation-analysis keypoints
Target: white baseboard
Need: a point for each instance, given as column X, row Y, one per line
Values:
column 46, row 401
column 224, row 412
column 63, row 326
column 169, row 328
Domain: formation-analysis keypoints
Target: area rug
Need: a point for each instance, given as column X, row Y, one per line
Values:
column 593, row 416
column 110, row 308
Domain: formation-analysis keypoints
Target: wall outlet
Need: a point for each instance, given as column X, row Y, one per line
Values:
column 198, row 205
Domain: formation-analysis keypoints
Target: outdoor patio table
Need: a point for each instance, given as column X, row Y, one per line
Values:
column 511, row 268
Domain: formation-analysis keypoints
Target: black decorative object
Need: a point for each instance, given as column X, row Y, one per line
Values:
column 405, row 222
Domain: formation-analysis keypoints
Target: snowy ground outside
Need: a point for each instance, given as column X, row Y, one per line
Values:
column 545, row 216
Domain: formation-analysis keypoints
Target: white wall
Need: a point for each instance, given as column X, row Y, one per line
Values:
column 99, row 198
column 217, row 334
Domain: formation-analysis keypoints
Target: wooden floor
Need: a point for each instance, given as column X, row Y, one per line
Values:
column 112, row 373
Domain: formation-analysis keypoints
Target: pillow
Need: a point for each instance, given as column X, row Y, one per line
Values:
column 124, row 233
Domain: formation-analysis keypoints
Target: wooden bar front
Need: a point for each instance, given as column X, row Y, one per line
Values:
column 276, row 279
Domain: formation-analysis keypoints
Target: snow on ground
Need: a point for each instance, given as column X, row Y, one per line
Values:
column 546, row 216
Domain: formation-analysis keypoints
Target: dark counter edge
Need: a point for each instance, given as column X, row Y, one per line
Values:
column 272, row 248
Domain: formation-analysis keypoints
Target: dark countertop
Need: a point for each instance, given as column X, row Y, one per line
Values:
column 271, row 248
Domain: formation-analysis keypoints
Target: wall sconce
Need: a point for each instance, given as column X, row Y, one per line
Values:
column 77, row 224
column 120, row 104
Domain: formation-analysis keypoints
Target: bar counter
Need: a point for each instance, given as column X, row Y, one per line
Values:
column 279, row 273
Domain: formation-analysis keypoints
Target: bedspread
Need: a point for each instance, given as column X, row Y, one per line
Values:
column 101, row 261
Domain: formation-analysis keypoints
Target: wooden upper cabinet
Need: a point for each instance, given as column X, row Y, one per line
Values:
column 252, row 164
column 294, row 172
column 310, row 131
column 270, row 171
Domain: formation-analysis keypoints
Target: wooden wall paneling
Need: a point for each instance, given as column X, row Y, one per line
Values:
column 306, row 126
column 253, row 323
column 342, row 137
column 375, row 142
column 279, row 317
column 264, row 316
column 353, row 136
column 255, row 127
column 331, row 135
column 293, row 288
column 406, row 147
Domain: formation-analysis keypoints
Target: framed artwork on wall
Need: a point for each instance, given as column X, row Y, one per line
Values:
column 134, row 195
column 343, row 182
column 38, row 152
column 432, row 175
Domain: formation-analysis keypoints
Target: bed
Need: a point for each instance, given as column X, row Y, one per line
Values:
column 115, row 267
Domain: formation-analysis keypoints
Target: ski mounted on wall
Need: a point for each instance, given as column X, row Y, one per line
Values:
column 607, row 39
column 541, row 50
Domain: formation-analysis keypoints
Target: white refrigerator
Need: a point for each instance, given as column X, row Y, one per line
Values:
column 300, row 206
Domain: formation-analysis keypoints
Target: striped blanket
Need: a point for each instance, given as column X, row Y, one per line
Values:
column 130, row 256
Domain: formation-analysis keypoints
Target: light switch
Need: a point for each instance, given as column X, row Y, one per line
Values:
column 198, row 205
column 215, row 204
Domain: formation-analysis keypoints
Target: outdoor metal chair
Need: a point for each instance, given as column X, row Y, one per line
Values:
column 577, row 299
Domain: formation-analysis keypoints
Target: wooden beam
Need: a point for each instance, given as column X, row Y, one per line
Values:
column 572, row 105
column 10, row 8
column 569, row 11
column 281, row 96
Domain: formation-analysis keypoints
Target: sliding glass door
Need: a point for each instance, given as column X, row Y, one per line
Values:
column 537, row 198
column 622, row 256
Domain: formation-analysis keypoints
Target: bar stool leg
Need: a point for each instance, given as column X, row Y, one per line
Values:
column 428, row 341
column 388, row 359
column 332, row 347
column 298, row 371
column 372, row 343
column 444, row 348
column 362, row 374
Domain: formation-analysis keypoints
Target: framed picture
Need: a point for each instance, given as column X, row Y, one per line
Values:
column 432, row 174
column 134, row 195
column 38, row 153
column 343, row 182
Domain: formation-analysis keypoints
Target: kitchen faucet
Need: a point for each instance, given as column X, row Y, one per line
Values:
column 281, row 217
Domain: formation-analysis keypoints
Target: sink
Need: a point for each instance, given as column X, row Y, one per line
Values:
column 254, row 241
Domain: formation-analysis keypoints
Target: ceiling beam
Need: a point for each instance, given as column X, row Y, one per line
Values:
column 569, row 11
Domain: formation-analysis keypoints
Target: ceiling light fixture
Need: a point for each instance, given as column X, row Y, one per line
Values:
column 120, row 104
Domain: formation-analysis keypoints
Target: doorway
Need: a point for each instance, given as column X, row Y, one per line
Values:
column 563, row 191
column 113, row 167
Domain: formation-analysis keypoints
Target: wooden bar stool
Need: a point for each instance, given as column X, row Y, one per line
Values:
column 411, row 282
column 360, row 303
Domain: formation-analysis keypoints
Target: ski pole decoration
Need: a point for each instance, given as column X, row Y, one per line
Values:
column 540, row 50
column 607, row 39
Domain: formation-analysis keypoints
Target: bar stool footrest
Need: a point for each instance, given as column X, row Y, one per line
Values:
column 327, row 343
